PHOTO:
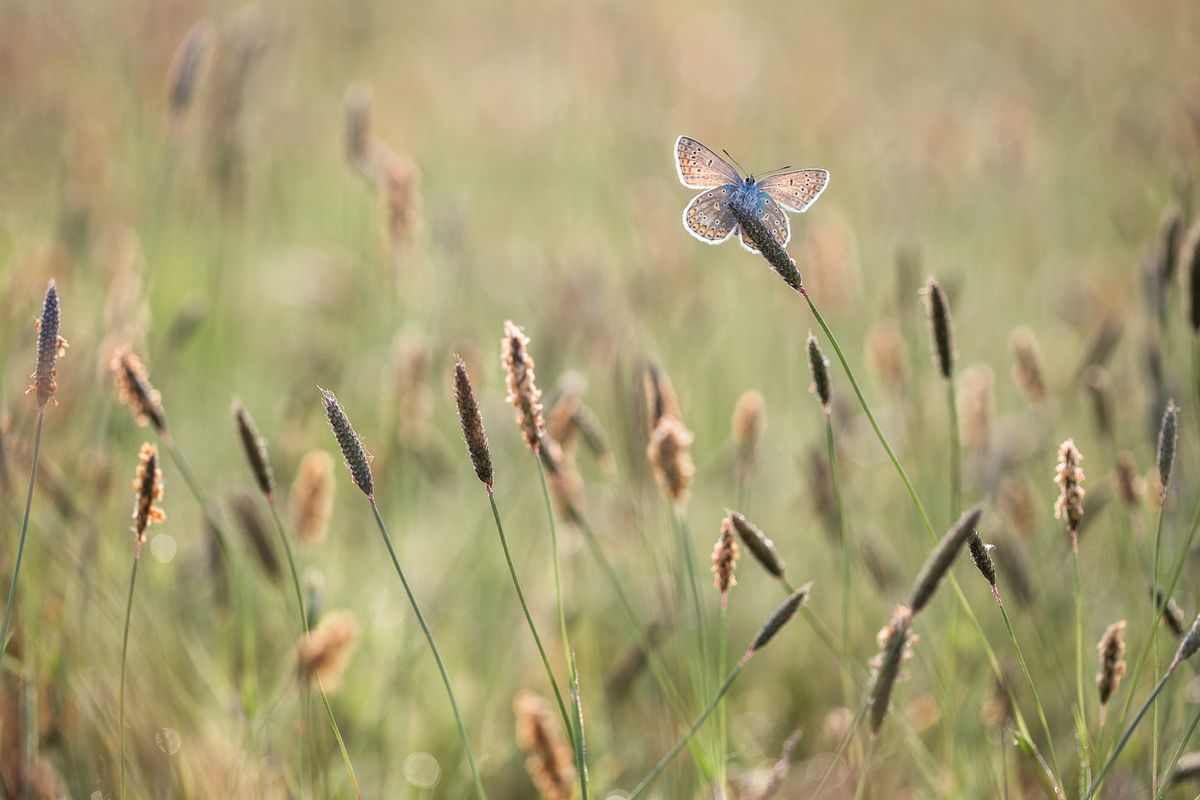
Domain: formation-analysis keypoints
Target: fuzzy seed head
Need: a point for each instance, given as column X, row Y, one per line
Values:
column 357, row 459
column 940, row 328
column 779, row 617
column 323, row 653
column 519, row 377
column 660, row 395
column 564, row 480
column 887, row 353
column 255, row 447
column 1189, row 645
column 762, row 548
column 399, row 181
column 724, row 558
column 894, row 648
column 310, row 501
column 472, row 424
column 50, row 347
column 247, row 510
column 1029, row 370
column 1131, row 489
column 818, row 372
column 148, row 491
column 749, row 422
column 1100, row 389
column 976, row 404
column 539, row 735
column 670, row 456
column 1069, row 477
column 185, row 71
column 1168, row 437
column 1111, row 652
column 942, row 558
column 135, row 390
column 981, row 554
column 1172, row 614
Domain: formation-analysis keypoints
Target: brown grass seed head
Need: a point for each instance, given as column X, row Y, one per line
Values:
column 184, row 72
column 472, row 424
column 724, row 559
column 818, row 371
column 255, row 447
column 762, row 548
column 357, row 459
column 1069, row 477
column 1131, row 488
column 1028, row 369
column 50, row 347
column 894, row 644
column 660, row 395
column 148, row 491
column 669, row 452
column 310, row 501
column 538, row 734
column 520, row 380
column 942, row 558
column 1168, row 438
column 746, row 429
column 323, row 653
column 779, row 617
column 940, row 328
column 1190, row 256
column 135, row 390
column 1111, row 652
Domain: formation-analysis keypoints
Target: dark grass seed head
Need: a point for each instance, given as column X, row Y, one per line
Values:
column 779, row 618
column 255, row 447
column 940, row 328
column 1168, row 436
column 136, row 391
column 1189, row 645
column 185, row 70
column 1172, row 614
column 762, row 548
column 818, row 371
column 472, row 424
column 982, row 556
column 358, row 461
column 894, row 640
column 1190, row 257
column 49, row 347
column 148, row 491
column 775, row 254
column 942, row 558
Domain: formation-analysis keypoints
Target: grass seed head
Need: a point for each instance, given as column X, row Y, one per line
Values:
column 942, row 558
column 976, row 404
column 894, row 643
column 1111, row 652
column 148, row 491
column 255, row 447
column 660, row 395
column 746, row 429
column 357, row 459
column 818, row 371
column 1189, row 645
column 310, row 501
column 724, row 558
column 357, row 120
column 981, row 554
column 472, row 424
column 50, row 346
column 323, row 653
column 669, row 452
column 770, row 248
column 1100, row 390
column 539, row 735
column 135, row 390
column 940, row 328
column 254, row 526
column 184, row 72
column 523, row 393
column 1172, row 614
column 1069, row 477
column 762, row 548
column 1028, row 369
column 1168, row 437
column 779, row 617
column 1190, row 256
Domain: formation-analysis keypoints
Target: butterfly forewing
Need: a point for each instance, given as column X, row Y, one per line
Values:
column 708, row 217
column 701, row 168
column 795, row 190
column 773, row 219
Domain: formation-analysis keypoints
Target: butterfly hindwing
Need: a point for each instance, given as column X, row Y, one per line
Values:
column 795, row 190
column 708, row 217
column 773, row 217
column 701, row 168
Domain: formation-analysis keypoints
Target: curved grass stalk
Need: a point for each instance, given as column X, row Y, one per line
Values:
column 12, row 586
column 437, row 656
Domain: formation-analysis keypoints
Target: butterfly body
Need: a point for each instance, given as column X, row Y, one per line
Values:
column 711, row 217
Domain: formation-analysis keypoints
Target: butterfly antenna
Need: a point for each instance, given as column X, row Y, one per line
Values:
column 777, row 171
column 735, row 162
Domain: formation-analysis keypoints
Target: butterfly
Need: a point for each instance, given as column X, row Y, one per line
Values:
column 709, row 218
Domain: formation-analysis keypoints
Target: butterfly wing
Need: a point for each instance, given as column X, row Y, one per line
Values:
column 773, row 217
column 796, row 190
column 708, row 217
column 701, row 168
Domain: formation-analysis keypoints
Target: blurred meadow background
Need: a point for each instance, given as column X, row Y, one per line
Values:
column 346, row 194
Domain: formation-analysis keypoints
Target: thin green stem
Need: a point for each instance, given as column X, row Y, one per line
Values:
column 1165, row 780
column 572, row 678
column 124, row 653
column 860, row 790
column 537, row 639
column 12, row 586
column 437, row 656
column 722, row 720
column 304, row 628
column 955, row 454
column 685, row 555
column 1037, row 700
column 1155, row 616
column 683, row 740
column 1078, row 592
column 843, row 539
column 1124, row 740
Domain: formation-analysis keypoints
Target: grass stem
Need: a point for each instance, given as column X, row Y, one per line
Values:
column 12, row 586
